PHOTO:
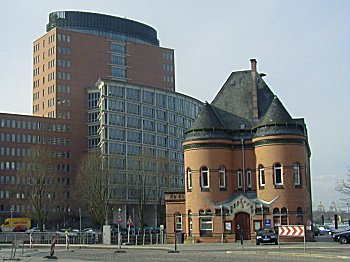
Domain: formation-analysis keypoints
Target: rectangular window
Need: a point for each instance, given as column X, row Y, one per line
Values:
column 189, row 179
column 239, row 179
column 222, row 178
column 178, row 222
column 262, row 176
column 296, row 175
column 278, row 171
column 249, row 179
column 205, row 178
column 206, row 226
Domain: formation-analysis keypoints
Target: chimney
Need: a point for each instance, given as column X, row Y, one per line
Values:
column 254, row 89
column 253, row 64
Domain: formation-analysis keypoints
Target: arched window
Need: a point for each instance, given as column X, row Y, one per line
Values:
column 276, row 217
column 178, row 222
column 189, row 222
column 277, row 172
column 261, row 176
column 204, row 177
column 284, row 216
column 299, row 216
column 296, row 168
column 222, row 177
column 189, row 179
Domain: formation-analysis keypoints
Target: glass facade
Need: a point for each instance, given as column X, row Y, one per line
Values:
column 141, row 130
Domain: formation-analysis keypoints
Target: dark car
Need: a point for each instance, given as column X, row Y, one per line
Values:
column 266, row 235
column 342, row 238
column 340, row 229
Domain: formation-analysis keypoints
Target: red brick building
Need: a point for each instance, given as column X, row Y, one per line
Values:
column 247, row 165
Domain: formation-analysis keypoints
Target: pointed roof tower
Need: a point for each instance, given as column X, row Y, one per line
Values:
column 276, row 113
column 207, row 119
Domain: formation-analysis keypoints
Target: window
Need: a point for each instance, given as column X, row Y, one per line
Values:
column 299, row 216
column 178, row 222
column 276, row 217
column 239, row 179
column 190, row 222
column 284, row 216
column 204, row 177
column 249, row 179
column 261, row 176
column 189, row 179
column 278, row 177
column 222, row 177
column 206, row 226
column 296, row 169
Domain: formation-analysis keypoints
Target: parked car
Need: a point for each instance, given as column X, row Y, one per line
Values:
column 342, row 238
column 20, row 229
column 266, row 235
column 316, row 230
column 341, row 228
column 325, row 229
column 34, row 229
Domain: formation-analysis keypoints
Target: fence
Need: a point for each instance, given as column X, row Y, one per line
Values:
column 81, row 238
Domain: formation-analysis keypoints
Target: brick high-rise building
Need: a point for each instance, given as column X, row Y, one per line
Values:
column 77, row 50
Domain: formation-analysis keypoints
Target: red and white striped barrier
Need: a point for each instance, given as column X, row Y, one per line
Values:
column 291, row 231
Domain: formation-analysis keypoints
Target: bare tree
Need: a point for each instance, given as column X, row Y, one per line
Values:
column 93, row 184
column 343, row 187
column 36, row 183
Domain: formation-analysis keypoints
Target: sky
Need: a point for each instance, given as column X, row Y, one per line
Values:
column 302, row 46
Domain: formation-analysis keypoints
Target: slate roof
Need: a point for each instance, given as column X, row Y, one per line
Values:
column 275, row 114
column 232, row 110
column 207, row 119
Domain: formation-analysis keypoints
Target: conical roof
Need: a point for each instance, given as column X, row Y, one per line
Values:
column 207, row 118
column 275, row 114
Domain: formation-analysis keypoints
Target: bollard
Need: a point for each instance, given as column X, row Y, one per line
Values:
column 31, row 240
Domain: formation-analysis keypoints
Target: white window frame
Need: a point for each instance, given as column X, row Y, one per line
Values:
column 296, row 169
column 178, row 222
column 206, row 221
column 205, row 173
column 189, row 178
column 262, row 175
column 222, row 177
column 249, row 179
column 275, row 169
column 239, row 179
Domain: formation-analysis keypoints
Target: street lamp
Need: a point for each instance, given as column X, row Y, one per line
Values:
column 11, row 217
column 222, row 228
column 79, row 220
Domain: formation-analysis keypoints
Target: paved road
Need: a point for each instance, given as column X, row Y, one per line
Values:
column 196, row 252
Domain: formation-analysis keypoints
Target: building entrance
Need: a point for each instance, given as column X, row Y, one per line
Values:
column 242, row 226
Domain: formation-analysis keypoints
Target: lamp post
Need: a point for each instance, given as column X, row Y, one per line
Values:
column 262, row 215
column 222, row 227
column 79, row 219
column 11, row 218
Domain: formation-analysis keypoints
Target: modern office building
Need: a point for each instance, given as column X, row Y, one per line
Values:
column 20, row 135
column 77, row 50
column 247, row 165
column 141, row 130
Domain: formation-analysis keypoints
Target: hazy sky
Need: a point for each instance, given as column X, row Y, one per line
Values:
column 302, row 46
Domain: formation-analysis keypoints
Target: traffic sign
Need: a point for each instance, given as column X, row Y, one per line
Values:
column 292, row 231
